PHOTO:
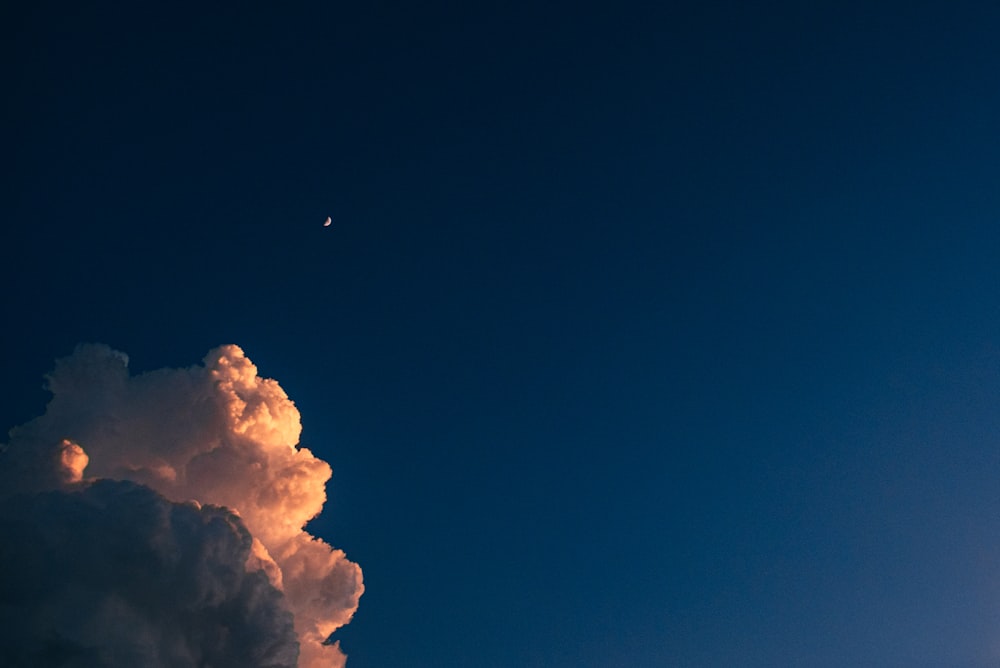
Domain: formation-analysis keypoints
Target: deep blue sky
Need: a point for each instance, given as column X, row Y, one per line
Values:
column 642, row 337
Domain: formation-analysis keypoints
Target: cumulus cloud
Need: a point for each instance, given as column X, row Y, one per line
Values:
column 113, row 574
column 216, row 479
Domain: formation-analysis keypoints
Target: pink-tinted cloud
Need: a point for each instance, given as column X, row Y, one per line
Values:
column 216, row 434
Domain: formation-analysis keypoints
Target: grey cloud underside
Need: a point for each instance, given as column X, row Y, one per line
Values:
column 111, row 574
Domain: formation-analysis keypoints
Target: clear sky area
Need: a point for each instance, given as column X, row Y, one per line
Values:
column 643, row 334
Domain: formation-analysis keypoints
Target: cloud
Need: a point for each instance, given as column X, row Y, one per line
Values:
column 113, row 574
column 214, row 445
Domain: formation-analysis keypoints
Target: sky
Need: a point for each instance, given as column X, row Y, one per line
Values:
column 642, row 335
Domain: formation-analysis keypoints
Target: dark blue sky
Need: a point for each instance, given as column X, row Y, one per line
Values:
column 643, row 336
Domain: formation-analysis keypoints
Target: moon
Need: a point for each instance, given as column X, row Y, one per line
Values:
column 328, row 222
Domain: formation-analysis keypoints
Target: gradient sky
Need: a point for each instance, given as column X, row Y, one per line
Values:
column 643, row 335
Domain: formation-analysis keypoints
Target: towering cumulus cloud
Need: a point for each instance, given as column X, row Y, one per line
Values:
column 157, row 520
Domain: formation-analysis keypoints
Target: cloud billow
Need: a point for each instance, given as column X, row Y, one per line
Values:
column 201, row 557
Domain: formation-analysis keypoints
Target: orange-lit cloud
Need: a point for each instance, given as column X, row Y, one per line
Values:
column 216, row 434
